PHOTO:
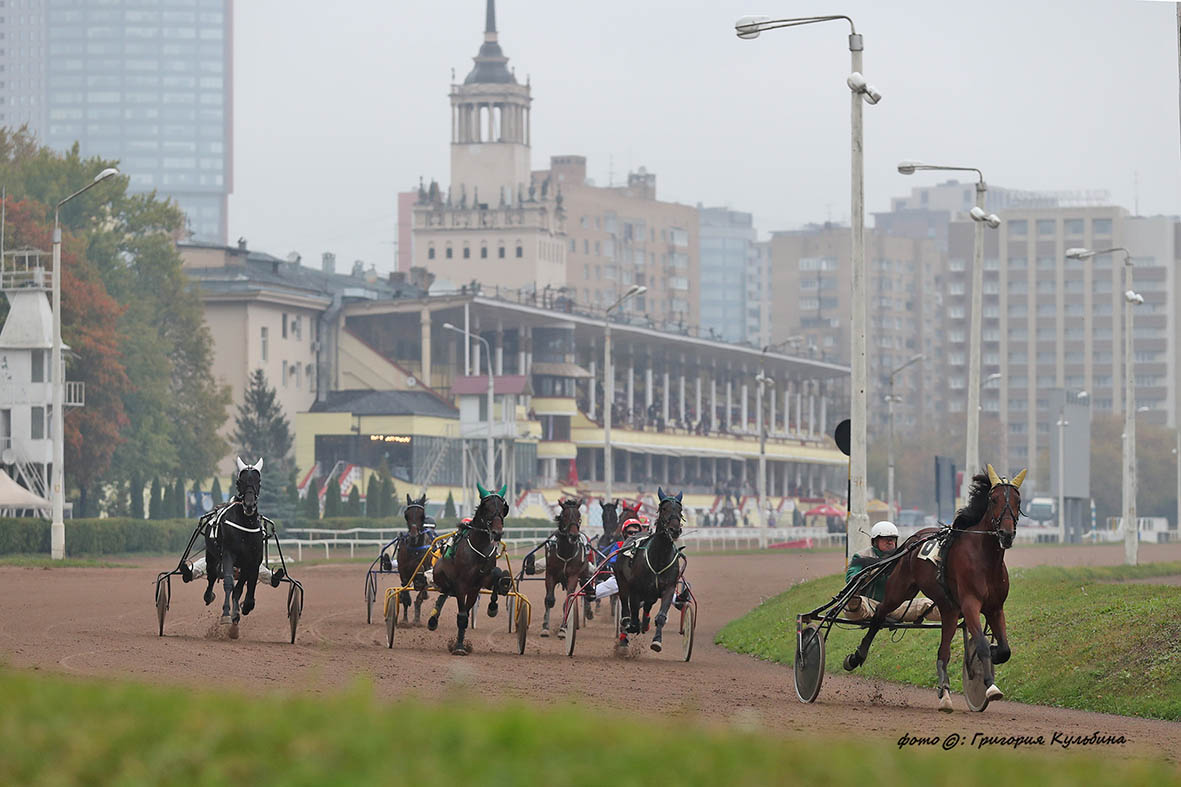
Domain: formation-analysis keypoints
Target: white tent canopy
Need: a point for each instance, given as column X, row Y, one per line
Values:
column 15, row 496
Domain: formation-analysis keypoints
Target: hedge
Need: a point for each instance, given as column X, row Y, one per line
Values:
column 399, row 523
column 112, row 536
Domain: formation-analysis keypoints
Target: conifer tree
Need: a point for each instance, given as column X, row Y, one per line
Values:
column 135, row 491
column 353, row 507
column 155, row 500
column 261, row 430
column 373, row 497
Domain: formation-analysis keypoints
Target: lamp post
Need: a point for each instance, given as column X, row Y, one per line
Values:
column 749, row 27
column 1004, row 446
column 890, row 399
column 490, row 477
column 972, row 442
column 57, row 530
column 1131, row 299
column 609, row 392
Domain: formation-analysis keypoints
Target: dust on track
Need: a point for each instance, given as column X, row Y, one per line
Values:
column 102, row 622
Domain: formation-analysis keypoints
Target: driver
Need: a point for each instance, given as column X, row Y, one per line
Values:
column 883, row 540
column 629, row 531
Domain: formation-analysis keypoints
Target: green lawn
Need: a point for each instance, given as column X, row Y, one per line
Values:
column 1080, row 639
column 40, row 561
column 55, row 730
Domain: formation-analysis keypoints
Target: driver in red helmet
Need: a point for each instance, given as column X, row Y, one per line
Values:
column 629, row 531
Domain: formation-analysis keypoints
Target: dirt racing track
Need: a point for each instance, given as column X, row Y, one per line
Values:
column 102, row 622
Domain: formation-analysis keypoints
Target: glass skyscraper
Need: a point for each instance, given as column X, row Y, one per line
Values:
column 146, row 82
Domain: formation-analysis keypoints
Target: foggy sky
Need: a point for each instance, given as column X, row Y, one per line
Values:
column 335, row 112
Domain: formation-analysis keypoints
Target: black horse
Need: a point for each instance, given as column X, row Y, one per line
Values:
column 650, row 572
column 610, row 526
column 567, row 561
column 233, row 544
column 471, row 566
column 412, row 545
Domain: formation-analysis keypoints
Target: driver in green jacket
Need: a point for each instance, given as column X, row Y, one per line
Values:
column 883, row 540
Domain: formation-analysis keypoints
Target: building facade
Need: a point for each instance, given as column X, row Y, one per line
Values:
column 147, row 84
column 728, row 259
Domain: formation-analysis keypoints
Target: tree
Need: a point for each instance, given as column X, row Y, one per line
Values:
column 215, row 491
column 312, row 500
column 166, row 504
column 261, row 430
column 449, row 507
column 353, row 507
column 389, row 499
column 179, row 508
column 155, row 500
column 1156, row 467
column 135, row 493
column 373, row 497
column 332, row 498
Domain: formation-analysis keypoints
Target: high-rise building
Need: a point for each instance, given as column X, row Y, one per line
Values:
column 728, row 255
column 147, row 84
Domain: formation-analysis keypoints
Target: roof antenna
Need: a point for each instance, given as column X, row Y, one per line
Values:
column 1136, row 190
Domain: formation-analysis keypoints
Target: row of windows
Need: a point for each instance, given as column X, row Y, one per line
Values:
column 1048, row 228
column 467, row 252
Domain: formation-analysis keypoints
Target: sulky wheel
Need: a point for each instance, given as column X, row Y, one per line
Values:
column 294, row 608
column 522, row 624
column 572, row 626
column 975, row 684
column 391, row 618
column 809, row 664
column 370, row 596
column 163, row 594
column 510, row 606
column 688, row 626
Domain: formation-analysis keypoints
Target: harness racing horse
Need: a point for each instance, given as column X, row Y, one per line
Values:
column 651, row 572
column 974, row 579
column 234, row 541
column 412, row 545
column 471, row 566
column 610, row 525
column 567, row 562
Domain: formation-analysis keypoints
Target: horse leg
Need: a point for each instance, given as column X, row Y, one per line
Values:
column 666, row 601
column 422, row 596
column 971, row 609
column 622, row 598
column 462, row 648
column 251, row 582
column 498, row 579
column 227, row 583
column 950, row 619
column 404, row 600
column 587, row 611
column 209, row 596
column 432, row 622
column 549, row 603
column 570, row 585
column 996, row 622
column 647, row 623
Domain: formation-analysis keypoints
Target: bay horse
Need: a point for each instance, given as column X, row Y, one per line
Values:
column 412, row 545
column 567, row 561
column 471, row 566
column 651, row 573
column 234, row 540
column 974, row 580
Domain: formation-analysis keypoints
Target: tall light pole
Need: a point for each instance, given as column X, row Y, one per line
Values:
column 1131, row 299
column 748, row 27
column 57, row 530
column 490, row 477
column 972, row 441
column 890, row 399
column 609, row 392
column 1004, row 447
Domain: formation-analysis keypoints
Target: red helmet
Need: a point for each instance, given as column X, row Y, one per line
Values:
column 467, row 520
column 631, row 524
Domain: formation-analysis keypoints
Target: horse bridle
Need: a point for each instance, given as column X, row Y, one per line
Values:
column 494, row 543
column 415, row 540
column 996, row 520
column 667, row 532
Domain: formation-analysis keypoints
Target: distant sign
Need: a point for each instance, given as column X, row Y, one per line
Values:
column 389, row 438
column 841, row 435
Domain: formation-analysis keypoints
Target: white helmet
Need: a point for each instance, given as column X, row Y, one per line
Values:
column 883, row 530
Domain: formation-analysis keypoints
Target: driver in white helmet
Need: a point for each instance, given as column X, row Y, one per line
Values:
column 883, row 540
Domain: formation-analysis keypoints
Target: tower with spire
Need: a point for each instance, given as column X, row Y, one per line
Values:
column 493, row 224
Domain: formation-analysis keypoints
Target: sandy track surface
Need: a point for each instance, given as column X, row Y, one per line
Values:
column 102, row 622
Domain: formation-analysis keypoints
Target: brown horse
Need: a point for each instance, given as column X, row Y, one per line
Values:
column 567, row 562
column 650, row 574
column 412, row 545
column 975, row 580
column 471, row 565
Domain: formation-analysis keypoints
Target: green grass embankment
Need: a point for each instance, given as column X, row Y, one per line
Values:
column 1080, row 639
column 55, row 730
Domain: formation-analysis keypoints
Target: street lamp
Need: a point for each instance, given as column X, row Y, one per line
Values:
column 1062, row 424
column 57, row 530
column 609, row 393
column 890, row 399
column 1131, row 299
column 749, row 27
column 981, row 219
column 491, row 471
column 1002, row 416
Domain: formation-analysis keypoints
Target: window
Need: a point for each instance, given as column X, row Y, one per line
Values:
column 1101, row 226
column 467, row 252
column 520, row 251
column 38, row 366
column 1073, row 227
column 447, row 253
column 483, row 252
column 500, row 252
column 37, row 423
column 264, row 342
column 284, row 325
column 297, row 327
column 283, row 375
column 1046, row 228
column 1017, row 228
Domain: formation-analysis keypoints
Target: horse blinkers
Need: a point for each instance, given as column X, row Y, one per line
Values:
column 1008, row 512
column 249, row 485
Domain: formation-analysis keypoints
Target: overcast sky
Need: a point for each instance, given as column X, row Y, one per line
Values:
column 334, row 113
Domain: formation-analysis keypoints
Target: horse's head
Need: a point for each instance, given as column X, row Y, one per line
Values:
column 630, row 512
column 249, row 485
column 569, row 519
column 415, row 513
column 668, row 516
column 610, row 516
column 1004, row 505
column 491, row 511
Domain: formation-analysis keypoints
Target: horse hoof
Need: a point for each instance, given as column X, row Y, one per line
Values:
column 233, row 631
column 432, row 622
column 545, row 632
column 851, row 662
column 561, row 633
column 492, row 610
column 247, row 609
column 458, row 651
column 945, row 702
column 993, row 693
column 589, row 615
column 225, row 620
column 208, row 597
column 656, row 646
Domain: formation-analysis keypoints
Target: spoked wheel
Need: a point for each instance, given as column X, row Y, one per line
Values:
column 809, row 664
column 688, row 626
column 294, row 608
column 163, row 596
column 571, row 624
column 617, row 613
column 975, row 683
column 510, row 606
column 391, row 619
column 370, row 596
column 522, row 623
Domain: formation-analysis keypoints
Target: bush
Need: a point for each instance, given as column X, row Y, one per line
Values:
column 112, row 536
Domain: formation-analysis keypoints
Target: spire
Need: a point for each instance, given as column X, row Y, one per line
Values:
column 490, row 18
column 491, row 64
